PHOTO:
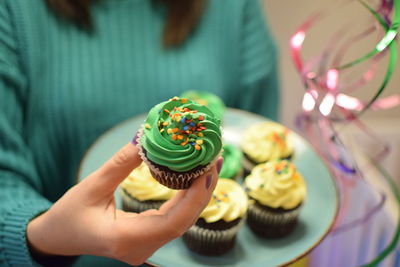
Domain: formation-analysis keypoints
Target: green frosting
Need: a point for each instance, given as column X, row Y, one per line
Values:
column 181, row 135
column 210, row 100
column 232, row 161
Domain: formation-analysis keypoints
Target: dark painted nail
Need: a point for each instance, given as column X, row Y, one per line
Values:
column 135, row 139
column 219, row 164
column 209, row 180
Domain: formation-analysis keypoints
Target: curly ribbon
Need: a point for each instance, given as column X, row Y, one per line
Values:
column 396, row 237
column 326, row 102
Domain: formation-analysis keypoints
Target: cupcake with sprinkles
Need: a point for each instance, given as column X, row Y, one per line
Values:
column 264, row 142
column 179, row 141
column 212, row 101
column 276, row 191
column 215, row 231
column 140, row 191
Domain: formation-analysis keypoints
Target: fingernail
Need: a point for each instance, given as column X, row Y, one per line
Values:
column 209, row 180
column 135, row 139
column 219, row 164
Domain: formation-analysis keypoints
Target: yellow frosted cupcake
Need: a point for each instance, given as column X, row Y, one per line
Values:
column 265, row 141
column 276, row 191
column 215, row 231
column 140, row 191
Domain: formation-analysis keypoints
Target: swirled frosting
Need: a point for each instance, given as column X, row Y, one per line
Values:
column 228, row 202
column 276, row 184
column 267, row 141
column 232, row 161
column 208, row 99
column 142, row 186
column 181, row 135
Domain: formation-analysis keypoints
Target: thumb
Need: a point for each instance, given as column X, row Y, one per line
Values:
column 107, row 178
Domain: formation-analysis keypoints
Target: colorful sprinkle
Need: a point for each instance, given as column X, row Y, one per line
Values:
column 147, row 126
column 197, row 147
column 282, row 167
column 165, row 123
column 201, row 117
column 184, row 143
column 199, row 142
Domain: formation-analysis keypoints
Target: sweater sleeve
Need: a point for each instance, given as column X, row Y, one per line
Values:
column 259, row 88
column 19, row 182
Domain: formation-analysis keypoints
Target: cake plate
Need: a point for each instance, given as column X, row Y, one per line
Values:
column 315, row 221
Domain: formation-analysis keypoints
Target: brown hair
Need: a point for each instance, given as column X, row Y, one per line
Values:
column 182, row 16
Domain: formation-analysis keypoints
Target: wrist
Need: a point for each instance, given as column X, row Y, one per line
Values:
column 36, row 237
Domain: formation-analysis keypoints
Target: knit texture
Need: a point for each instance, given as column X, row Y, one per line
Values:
column 60, row 88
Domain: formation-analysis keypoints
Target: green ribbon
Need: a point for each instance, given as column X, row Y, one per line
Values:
column 386, row 42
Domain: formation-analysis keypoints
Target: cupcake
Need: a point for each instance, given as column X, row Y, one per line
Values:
column 276, row 191
column 232, row 168
column 140, row 191
column 265, row 141
column 178, row 141
column 208, row 99
column 215, row 231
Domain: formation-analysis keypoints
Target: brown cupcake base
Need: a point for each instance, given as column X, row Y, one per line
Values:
column 212, row 239
column 208, row 248
column 131, row 204
column 182, row 181
column 268, row 222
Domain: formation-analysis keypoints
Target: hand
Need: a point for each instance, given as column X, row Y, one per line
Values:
column 86, row 221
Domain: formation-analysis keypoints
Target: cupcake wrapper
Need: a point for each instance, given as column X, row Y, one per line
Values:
column 271, row 224
column 132, row 204
column 172, row 180
column 211, row 242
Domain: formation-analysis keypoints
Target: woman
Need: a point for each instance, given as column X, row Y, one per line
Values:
column 69, row 70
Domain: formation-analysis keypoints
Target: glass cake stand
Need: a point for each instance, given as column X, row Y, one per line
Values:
column 315, row 221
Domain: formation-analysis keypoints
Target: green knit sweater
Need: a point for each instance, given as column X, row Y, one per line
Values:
column 60, row 88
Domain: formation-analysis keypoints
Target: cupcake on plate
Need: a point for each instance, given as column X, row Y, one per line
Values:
column 215, row 231
column 140, row 191
column 208, row 99
column 265, row 141
column 276, row 191
column 179, row 141
column 232, row 167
